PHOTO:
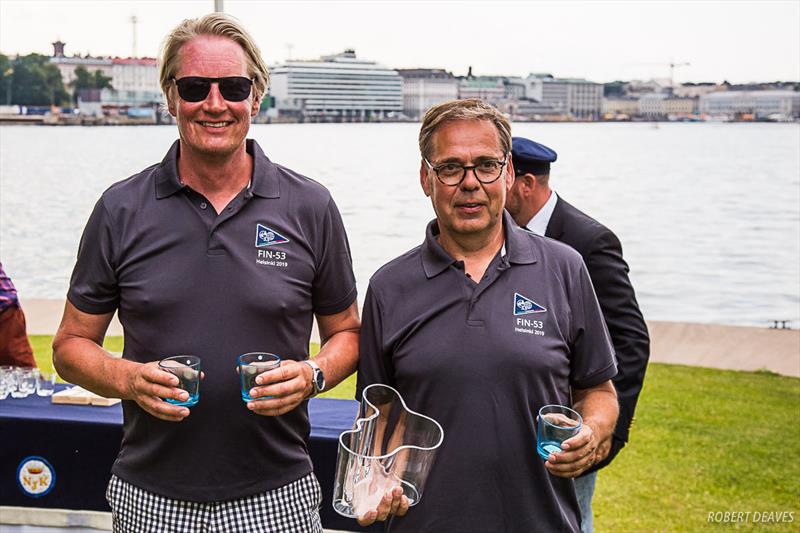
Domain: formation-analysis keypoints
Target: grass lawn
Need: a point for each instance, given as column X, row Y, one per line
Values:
column 704, row 441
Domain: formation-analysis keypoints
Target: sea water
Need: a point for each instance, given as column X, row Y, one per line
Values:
column 673, row 195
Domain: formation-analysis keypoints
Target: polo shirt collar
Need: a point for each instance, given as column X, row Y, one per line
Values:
column 518, row 247
column 435, row 259
column 266, row 177
column 265, row 181
column 519, row 244
column 167, row 181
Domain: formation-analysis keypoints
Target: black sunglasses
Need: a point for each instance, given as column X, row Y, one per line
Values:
column 196, row 88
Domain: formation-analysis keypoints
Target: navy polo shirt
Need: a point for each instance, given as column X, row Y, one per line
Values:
column 188, row 281
column 481, row 357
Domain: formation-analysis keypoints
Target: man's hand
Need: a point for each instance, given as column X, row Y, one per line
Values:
column 578, row 455
column 603, row 449
column 599, row 409
column 286, row 387
column 392, row 503
column 147, row 384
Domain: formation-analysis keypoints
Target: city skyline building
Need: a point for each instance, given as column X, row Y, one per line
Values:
column 760, row 104
column 424, row 88
column 134, row 80
column 575, row 97
column 343, row 88
column 337, row 87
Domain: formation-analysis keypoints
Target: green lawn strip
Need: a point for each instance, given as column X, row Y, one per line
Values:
column 704, row 441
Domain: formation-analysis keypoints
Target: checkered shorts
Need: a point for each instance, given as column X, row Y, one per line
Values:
column 292, row 508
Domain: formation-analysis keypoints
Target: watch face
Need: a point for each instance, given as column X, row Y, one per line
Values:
column 319, row 380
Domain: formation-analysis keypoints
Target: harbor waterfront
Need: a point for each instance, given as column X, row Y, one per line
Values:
column 708, row 213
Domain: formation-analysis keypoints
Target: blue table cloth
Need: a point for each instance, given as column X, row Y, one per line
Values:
column 81, row 444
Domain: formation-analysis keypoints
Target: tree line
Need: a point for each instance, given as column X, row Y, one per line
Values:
column 32, row 80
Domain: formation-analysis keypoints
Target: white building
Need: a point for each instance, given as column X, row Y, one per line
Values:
column 135, row 75
column 661, row 105
column 133, row 80
column 577, row 98
column 424, row 88
column 620, row 106
column 490, row 89
column 694, row 90
column 761, row 104
column 338, row 87
column 652, row 105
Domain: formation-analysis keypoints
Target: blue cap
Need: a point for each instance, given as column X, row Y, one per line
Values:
column 531, row 157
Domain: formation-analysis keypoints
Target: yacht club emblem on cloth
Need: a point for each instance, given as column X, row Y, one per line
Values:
column 267, row 237
column 36, row 477
column 526, row 306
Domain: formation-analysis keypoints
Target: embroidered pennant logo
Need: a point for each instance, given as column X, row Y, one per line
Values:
column 267, row 237
column 526, row 306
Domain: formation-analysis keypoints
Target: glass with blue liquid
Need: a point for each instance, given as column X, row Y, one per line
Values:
column 556, row 424
column 250, row 366
column 187, row 369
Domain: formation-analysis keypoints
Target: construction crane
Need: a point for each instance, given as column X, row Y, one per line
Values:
column 672, row 72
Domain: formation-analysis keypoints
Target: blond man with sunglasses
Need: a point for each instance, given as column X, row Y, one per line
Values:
column 216, row 251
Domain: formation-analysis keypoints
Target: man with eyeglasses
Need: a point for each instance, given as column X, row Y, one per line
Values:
column 216, row 251
column 479, row 327
column 535, row 206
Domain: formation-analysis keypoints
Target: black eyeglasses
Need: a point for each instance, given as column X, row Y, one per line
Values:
column 453, row 174
column 196, row 88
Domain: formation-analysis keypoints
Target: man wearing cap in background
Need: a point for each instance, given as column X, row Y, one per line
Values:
column 538, row 208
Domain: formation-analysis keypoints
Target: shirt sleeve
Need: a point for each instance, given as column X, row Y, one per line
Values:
column 591, row 353
column 93, row 287
column 374, row 360
column 334, row 286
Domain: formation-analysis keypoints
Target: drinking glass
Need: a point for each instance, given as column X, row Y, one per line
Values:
column 25, row 381
column 557, row 423
column 6, row 381
column 187, row 369
column 250, row 366
column 46, row 383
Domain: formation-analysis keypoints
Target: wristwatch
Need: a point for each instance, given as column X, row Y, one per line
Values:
column 317, row 377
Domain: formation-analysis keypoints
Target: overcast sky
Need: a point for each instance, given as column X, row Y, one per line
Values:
column 739, row 41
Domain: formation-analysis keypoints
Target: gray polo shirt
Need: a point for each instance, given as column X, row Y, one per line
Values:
column 188, row 281
column 482, row 358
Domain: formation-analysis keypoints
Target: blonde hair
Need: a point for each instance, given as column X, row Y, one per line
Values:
column 216, row 24
column 468, row 109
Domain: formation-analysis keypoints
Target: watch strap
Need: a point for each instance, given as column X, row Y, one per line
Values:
column 316, row 371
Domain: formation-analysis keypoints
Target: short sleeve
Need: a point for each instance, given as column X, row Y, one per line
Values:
column 93, row 286
column 374, row 361
column 591, row 353
column 334, row 286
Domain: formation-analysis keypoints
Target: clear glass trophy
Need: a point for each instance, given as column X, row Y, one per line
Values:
column 389, row 446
